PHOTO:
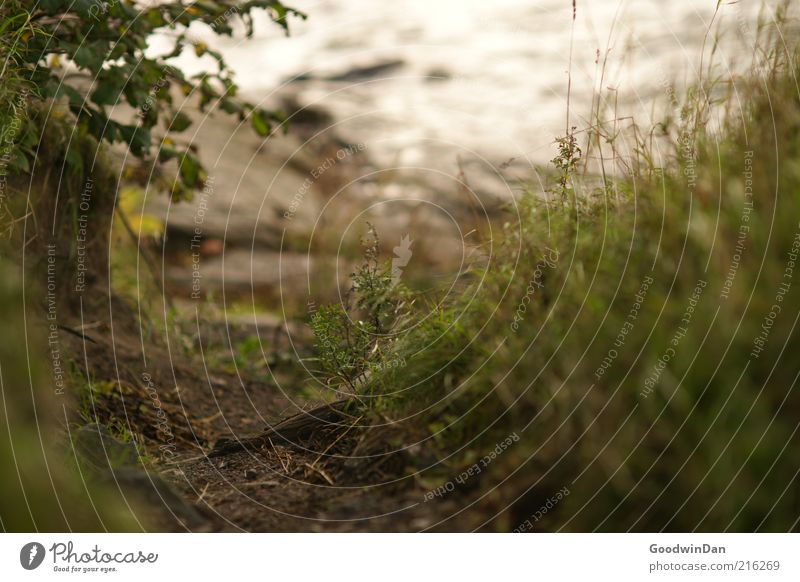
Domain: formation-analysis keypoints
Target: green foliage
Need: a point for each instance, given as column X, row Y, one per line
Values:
column 343, row 346
column 375, row 294
column 107, row 42
column 353, row 337
column 34, row 443
column 700, row 442
column 567, row 160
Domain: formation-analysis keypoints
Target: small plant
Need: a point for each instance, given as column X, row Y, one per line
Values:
column 569, row 154
column 353, row 337
column 375, row 294
column 95, row 397
column 344, row 347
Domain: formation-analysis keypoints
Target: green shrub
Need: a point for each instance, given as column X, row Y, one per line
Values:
column 354, row 337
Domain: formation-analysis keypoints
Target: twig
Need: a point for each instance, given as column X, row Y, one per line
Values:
column 209, row 418
column 277, row 454
column 77, row 333
column 269, row 482
column 320, row 471
column 296, row 426
column 337, row 440
column 569, row 71
column 202, row 493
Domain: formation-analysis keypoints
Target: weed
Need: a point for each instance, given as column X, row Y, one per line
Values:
column 566, row 162
column 353, row 337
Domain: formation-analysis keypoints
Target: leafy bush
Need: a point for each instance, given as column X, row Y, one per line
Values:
column 107, row 43
column 352, row 338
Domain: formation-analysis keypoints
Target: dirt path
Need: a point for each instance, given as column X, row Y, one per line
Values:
column 334, row 475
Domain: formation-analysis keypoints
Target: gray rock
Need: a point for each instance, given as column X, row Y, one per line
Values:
column 367, row 72
column 95, row 445
column 117, row 463
column 154, row 492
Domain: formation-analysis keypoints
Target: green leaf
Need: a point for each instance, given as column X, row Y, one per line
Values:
column 101, row 127
column 20, row 162
column 138, row 138
column 74, row 161
column 166, row 153
column 230, row 106
column 51, row 6
column 107, row 93
column 190, row 170
column 260, row 123
column 155, row 18
column 136, row 96
column 180, row 122
column 91, row 56
column 149, row 117
column 86, row 9
column 75, row 98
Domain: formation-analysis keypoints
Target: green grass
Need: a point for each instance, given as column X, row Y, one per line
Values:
column 707, row 441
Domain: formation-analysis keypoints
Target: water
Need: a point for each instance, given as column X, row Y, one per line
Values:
column 478, row 78
column 454, row 85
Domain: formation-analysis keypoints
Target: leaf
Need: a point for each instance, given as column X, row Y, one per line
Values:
column 190, row 170
column 136, row 96
column 149, row 117
column 166, row 153
column 167, row 150
column 155, row 18
column 260, row 124
column 230, row 106
column 101, row 127
column 180, row 122
column 20, row 162
column 91, row 56
column 138, row 138
column 74, row 161
column 51, row 6
column 75, row 98
column 107, row 93
column 84, row 8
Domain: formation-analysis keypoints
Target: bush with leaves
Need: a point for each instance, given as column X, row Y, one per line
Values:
column 355, row 336
column 107, row 43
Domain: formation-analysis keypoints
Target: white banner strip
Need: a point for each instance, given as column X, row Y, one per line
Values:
column 401, row 557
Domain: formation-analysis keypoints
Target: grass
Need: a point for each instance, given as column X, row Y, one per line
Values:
column 639, row 337
column 635, row 328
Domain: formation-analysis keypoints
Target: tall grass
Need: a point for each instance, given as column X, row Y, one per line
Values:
column 640, row 338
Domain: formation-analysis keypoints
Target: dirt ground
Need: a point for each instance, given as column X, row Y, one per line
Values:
column 334, row 475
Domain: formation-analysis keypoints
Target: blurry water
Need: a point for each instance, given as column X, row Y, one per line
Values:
column 455, row 84
column 499, row 68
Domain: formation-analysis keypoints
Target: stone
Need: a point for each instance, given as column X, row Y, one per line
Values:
column 95, row 445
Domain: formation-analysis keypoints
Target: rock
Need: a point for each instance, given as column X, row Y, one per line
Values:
column 299, row 115
column 252, row 182
column 111, row 460
column 154, row 492
column 239, row 271
column 367, row 72
column 438, row 75
column 95, row 444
